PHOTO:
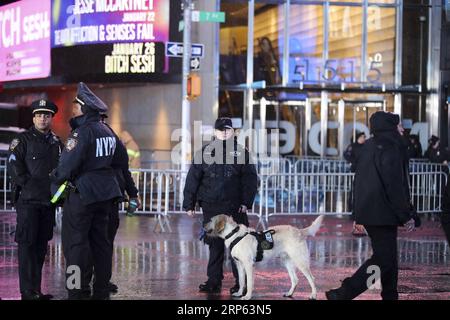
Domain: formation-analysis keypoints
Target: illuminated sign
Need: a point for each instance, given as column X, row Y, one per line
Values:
column 25, row 40
column 131, row 58
column 77, row 22
column 120, row 37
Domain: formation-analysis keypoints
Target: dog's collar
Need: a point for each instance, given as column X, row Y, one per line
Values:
column 235, row 230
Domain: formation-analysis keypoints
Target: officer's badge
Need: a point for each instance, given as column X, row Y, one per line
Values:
column 75, row 134
column 13, row 144
column 71, row 143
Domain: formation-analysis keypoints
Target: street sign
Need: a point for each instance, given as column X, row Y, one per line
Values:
column 175, row 49
column 195, row 64
column 207, row 16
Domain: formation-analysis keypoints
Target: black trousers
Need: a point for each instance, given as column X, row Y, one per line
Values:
column 86, row 242
column 217, row 246
column 34, row 229
column 384, row 246
column 113, row 226
column 445, row 222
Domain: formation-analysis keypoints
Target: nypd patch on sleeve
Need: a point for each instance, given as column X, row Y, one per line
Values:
column 71, row 144
column 14, row 144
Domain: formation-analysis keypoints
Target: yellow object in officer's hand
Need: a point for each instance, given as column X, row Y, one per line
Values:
column 58, row 193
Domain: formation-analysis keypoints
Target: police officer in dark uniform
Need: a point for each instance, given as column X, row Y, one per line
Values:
column 223, row 180
column 86, row 163
column 128, row 188
column 33, row 155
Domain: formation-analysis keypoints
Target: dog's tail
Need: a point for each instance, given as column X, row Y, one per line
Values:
column 314, row 227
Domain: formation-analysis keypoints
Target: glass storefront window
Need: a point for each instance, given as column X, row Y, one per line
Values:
column 344, row 43
column 306, row 43
column 268, row 42
column 233, row 43
column 380, row 45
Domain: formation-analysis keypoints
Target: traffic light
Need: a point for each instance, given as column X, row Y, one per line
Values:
column 194, row 86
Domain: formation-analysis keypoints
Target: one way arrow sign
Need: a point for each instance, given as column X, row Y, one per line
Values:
column 195, row 63
column 175, row 49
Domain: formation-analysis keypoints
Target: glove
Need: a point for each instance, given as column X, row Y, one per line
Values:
column 202, row 234
column 132, row 206
column 242, row 209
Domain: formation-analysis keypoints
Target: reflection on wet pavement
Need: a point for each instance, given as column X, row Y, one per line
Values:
column 149, row 265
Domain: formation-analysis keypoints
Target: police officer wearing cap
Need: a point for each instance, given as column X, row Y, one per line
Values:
column 33, row 155
column 223, row 180
column 128, row 188
column 86, row 163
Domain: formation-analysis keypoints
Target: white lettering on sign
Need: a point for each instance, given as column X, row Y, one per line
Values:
column 36, row 27
column 10, row 27
column 131, row 58
column 105, row 146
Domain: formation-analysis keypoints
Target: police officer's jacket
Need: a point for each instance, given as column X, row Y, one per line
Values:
column 122, row 168
column 221, row 175
column 32, row 156
column 87, row 158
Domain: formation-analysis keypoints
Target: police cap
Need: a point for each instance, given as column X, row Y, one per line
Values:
column 86, row 98
column 223, row 123
column 43, row 105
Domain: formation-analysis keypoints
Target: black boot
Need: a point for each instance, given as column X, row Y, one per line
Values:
column 337, row 294
column 113, row 288
column 44, row 296
column 210, row 287
column 30, row 295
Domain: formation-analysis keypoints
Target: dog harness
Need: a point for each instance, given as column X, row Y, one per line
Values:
column 264, row 238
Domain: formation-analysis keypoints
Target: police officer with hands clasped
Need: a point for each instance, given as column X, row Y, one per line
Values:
column 32, row 156
column 223, row 180
column 86, row 164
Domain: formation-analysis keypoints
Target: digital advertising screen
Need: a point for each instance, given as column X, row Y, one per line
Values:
column 117, row 40
column 25, row 40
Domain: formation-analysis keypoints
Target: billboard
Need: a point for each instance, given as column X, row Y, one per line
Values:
column 25, row 40
column 113, row 37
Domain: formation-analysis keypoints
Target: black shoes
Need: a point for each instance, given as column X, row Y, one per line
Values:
column 30, row 295
column 209, row 287
column 336, row 294
column 236, row 289
column 44, row 296
column 33, row 295
column 112, row 287
column 100, row 296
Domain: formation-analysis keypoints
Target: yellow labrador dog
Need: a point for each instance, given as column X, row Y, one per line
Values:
column 289, row 243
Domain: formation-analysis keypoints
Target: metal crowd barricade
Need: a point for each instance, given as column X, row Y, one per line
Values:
column 302, row 166
column 303, row 194
column 310, row 186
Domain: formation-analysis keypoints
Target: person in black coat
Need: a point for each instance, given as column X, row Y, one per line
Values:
column 32, row 156
column 414, row 147
column 382, row 203
column 445, row 215
column 222, row 180
column 351, row 154
column 435, row 153
column 120, row 164
column 354, row 149
column 86, row 163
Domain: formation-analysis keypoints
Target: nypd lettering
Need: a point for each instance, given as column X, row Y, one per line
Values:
column 105, row 146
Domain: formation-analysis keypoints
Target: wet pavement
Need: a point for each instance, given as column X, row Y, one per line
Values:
column 171, row 265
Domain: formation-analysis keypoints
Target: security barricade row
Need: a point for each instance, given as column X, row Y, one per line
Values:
column 290, row 193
